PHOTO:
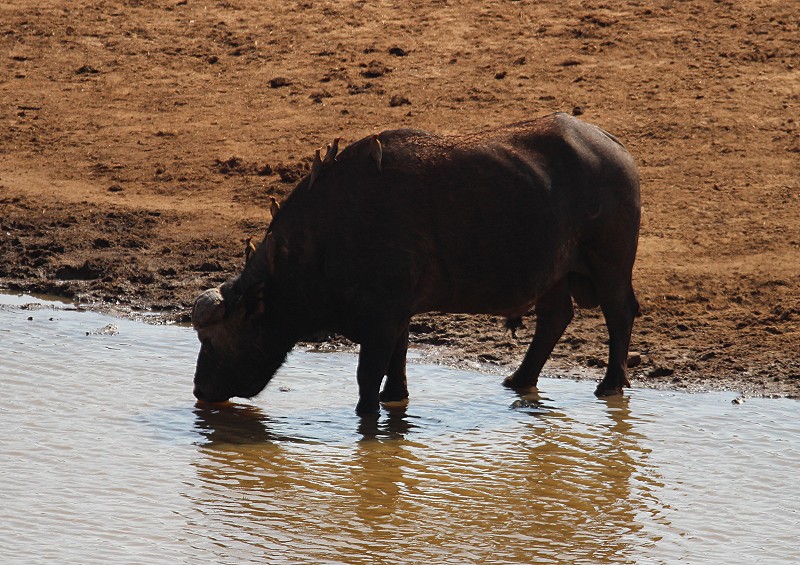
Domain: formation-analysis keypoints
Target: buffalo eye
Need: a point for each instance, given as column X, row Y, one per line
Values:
column 254, row 300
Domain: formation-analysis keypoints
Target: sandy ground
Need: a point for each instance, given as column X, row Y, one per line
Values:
column 141, row 138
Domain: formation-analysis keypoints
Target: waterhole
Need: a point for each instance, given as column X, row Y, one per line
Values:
column 106, row 458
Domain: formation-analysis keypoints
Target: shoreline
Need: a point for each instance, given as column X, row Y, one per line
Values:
column 456, row 356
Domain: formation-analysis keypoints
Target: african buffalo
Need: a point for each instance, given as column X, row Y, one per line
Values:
column 533, row 214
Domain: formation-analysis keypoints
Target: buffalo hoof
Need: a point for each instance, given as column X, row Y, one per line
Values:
column 402, row 403
column 518, row 384
column 367, row 410
column 387, row 397
column 603, row 391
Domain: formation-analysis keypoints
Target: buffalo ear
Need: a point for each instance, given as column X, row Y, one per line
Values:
column 254, row 300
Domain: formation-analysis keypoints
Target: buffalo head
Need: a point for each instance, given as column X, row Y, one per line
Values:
column 240, row 349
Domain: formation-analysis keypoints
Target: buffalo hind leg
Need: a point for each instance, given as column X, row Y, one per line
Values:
column 396, row 389
column 554, row 312
column 620, row 309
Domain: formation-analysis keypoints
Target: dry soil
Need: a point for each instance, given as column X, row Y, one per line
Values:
column 140, row 140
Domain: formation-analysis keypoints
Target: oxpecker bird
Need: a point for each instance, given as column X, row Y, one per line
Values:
column 333, row 150
column 377, row 152
column 273, row 207
column 316, row 167
column 249, row 249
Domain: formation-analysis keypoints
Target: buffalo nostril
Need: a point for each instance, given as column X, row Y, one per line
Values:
column 198, row 394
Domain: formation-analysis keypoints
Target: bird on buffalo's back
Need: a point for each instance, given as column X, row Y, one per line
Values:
column 249, row 249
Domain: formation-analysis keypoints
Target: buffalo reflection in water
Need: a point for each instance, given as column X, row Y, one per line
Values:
column 535, row 489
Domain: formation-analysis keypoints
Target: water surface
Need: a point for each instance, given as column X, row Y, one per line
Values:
column 107, row 459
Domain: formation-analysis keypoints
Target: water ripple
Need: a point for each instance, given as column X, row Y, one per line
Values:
column 108, row 460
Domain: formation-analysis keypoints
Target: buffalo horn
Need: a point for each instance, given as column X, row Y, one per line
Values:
column 208, row 309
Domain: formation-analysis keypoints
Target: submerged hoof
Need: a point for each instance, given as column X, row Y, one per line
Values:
column 388, row 397
column 368, row 409
column 402, row 403
column 516, row 383
column 604, row 391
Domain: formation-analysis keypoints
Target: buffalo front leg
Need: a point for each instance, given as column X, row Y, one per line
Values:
column 554, row 312
column 396, row 389
column 374, row 359
column 619, row 312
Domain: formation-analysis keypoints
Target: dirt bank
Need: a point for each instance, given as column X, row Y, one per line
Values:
column 140, row 140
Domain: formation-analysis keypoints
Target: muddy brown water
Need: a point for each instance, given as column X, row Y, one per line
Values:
column 107, row 459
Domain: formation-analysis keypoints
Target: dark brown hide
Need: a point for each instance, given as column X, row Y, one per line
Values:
column 519, row 217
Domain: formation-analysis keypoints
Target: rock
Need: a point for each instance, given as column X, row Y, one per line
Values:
column 109, row 329
column 398, row 100
column 634, row 359
column 577, row 111
column 87, row 271
column 228, row 166
column 208, row 267
column 420, row 328
column 288, row 173
column 661, row 372
column 489, row 358
column 375, row 69
column 86, row 70
column 319, row 96
column 595, row 362
column 279, row 82
column 398, row 51
column 526, row 403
